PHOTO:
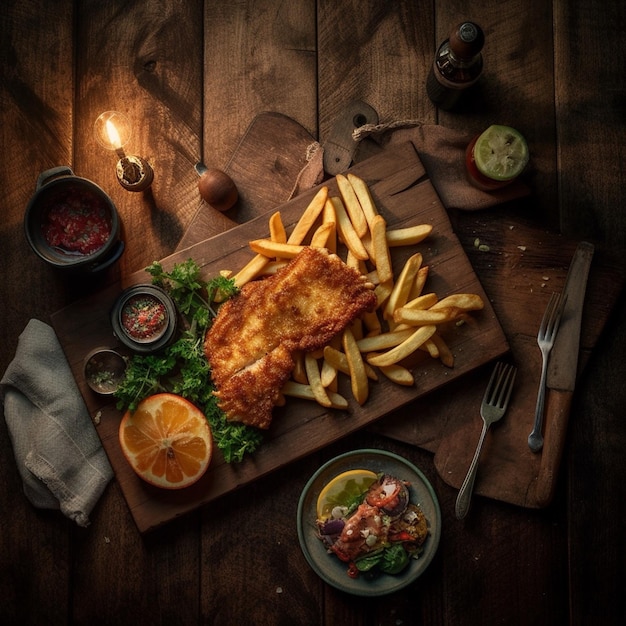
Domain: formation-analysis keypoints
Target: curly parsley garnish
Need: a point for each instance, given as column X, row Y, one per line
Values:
column 182, row 367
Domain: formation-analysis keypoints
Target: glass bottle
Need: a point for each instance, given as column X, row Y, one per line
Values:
column 458, row 65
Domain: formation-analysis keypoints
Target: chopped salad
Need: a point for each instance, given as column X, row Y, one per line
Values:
column 378, row 532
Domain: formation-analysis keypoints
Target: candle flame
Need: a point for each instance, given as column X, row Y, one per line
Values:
column 114, row 136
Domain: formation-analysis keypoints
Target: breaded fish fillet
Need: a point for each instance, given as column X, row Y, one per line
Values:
column 252, row 340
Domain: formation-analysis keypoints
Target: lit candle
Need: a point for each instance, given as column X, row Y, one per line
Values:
column 114, row 138
column 112, row 131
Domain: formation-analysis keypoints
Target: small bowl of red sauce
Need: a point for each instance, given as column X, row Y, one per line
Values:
column 71, row 223
column 144, row 318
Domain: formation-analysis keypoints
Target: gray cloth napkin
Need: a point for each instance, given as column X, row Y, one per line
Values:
column 58, row 452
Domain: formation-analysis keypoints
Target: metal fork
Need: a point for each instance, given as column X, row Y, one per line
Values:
column 545, row 338
column 493, row 407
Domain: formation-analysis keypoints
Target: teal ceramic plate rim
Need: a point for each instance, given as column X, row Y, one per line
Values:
column 331, row 569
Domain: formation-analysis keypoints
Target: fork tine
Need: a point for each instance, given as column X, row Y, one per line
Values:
column 498, row 394
column 495, row 375
column 507, row 387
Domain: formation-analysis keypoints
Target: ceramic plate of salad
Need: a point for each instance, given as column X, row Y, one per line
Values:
column 369, row 522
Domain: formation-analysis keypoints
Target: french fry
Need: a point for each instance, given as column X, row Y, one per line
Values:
column 322, row 234
column 445, row 354
column 398, row 374
column 365, row 197
column 384, row 340
column 381, row 250
column 420, row 282
column 275, row 249
column 408, row 236
column 271, row 267
column 329, row 215
column 424, row 317
column 315, row 382
column 347, row 232
column 352, row 204
column 251, row 270
column 402, row 287
column 304, row 392
column 405, row 349
column 358, row 377
column 277, row 230
column 425, row 301
column 383, row 291
column 431, row 347
column 328, row 375
column 339, row 361
column 352, row 261
column 309, row 217
column 258, row 264
column 462, row 301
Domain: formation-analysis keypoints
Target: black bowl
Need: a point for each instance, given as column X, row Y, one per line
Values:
column 62, row 199
column 144, row 302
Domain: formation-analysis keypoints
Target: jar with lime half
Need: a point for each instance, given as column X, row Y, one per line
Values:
column 496, row 157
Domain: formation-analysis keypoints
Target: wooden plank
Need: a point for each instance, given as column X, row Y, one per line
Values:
column 258, row 57
column 137, row 58
column 355, row 63
column 35, row 133
column 301, row 427
column 265, row 177
column 589, row 99
column 590, row 121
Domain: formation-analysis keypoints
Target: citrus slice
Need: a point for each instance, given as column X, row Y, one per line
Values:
column 343, row 490
column 167, row 441
column 501, row 153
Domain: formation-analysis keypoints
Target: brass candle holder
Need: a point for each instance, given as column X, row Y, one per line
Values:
column 113, row 130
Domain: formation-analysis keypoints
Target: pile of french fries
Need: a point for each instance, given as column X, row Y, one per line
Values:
column 406, row 318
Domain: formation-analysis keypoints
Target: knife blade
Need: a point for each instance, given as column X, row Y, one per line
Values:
column 562, row 371
column 563, row 364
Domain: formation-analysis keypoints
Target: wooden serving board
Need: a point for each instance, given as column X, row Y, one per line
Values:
column 523, row 266
column 405, row 197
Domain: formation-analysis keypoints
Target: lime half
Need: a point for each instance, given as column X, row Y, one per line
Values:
column 343, row 490
column 501, row 153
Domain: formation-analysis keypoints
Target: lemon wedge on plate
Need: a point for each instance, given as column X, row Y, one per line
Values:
column 343, row 490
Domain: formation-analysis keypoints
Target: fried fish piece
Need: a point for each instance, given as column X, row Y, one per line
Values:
column 251, row 343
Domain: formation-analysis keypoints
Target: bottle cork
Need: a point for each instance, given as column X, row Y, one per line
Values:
column 467, row 40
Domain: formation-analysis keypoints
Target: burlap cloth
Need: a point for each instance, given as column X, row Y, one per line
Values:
column 441, row 150
column 58, row 452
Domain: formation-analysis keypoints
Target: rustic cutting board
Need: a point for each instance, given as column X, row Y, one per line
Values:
column 405, row 197
column 523, row 266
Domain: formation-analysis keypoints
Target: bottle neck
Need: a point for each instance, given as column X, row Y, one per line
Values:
column 455, row 70
column 446, row 54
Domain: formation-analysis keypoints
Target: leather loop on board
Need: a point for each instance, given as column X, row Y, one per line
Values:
column 340, row 147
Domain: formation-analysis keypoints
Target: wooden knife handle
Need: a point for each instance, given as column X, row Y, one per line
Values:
column 557, row 410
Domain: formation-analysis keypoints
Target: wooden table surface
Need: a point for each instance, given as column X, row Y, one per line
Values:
column 192, row 76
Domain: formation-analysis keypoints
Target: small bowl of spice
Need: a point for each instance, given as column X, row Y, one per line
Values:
column 104, row 370
column 144, row 318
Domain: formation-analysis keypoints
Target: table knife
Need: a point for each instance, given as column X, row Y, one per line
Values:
column 563, row 368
